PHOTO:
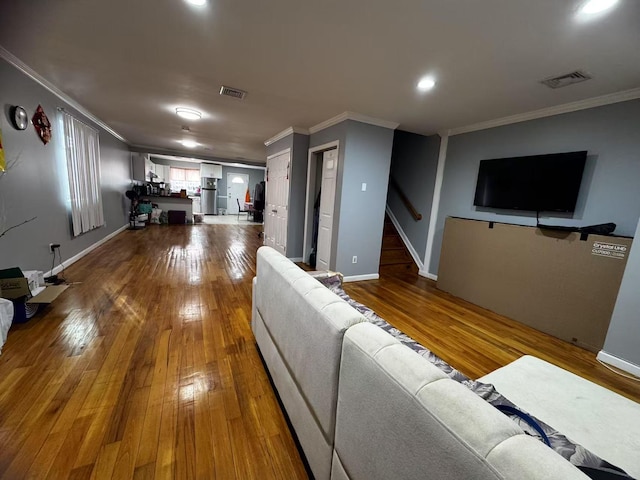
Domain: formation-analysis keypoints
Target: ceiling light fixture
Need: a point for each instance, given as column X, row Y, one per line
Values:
column 197, row 3
column 596, row 6
column 426, row 84
column 188, row 113
column 189, row 143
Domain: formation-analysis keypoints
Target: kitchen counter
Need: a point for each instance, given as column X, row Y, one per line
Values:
column 172, row 203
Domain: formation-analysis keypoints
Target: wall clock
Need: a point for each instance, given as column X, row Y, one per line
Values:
column 19, row 118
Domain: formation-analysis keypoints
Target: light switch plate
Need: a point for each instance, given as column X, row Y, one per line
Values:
column 364, row 187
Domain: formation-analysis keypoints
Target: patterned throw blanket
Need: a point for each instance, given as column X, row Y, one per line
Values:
column 576, row 454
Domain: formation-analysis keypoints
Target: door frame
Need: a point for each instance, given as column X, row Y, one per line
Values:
column 266, row 188
column 227, row 194
column 315, row 155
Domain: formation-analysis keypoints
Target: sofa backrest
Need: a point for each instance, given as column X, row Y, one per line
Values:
column 307, row 323
column 401, row 417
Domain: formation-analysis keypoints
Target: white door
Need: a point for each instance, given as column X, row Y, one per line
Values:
column 327, row 202
column 277, row 202
column 237, row 184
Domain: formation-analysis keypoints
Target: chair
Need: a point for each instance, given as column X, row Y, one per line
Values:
column 241, row 210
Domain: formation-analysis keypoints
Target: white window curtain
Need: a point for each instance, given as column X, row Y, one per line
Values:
column 82, row 150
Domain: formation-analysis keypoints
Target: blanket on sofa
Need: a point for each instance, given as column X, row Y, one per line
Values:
column 576, row 454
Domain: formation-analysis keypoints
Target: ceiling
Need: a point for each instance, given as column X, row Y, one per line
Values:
column 131, row 63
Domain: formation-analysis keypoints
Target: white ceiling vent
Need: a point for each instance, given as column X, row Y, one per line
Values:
column 568, row 79
column 233, row 92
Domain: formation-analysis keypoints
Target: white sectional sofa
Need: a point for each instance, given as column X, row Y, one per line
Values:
column 364, row 406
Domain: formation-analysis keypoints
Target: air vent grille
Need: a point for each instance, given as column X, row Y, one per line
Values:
column 233, row 92
column 568, row 79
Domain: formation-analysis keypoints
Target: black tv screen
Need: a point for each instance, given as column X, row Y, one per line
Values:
column 539, row 183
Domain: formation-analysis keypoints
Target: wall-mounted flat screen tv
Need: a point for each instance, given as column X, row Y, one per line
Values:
column 538, row 183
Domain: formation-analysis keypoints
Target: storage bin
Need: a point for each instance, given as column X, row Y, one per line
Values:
column 177, row 217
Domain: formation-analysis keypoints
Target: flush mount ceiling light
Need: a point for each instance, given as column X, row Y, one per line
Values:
column 188, row 113
column 189, row 143
column 596, row 6
column 197, row 3
column 426, row 83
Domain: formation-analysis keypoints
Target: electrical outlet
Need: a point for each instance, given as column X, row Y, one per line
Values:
column 53, row 246
column 354, row 259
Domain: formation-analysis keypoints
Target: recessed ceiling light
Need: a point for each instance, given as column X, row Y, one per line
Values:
column 597, row 6
column 426, row 83
column 197, row 3
column 189, row 143
column 188, row 113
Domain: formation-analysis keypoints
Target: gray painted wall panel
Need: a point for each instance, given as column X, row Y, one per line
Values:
column 609, row 191
column 367, row 160
column 297, row 195
column 36, row 185
column 624, row 330
column 413, row 165
column 255, row 176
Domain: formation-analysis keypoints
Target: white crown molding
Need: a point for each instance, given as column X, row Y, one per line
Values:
column 617, row 97
column 286, row 133
column 356, row 117
column 29, row 72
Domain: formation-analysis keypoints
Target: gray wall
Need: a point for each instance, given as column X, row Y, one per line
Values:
column 367, row 160
column 609, row 191
column 624, row 329
column 36, row 185
column 414, row 161
column 364, row 156
column 297, row 195
column 255, row 176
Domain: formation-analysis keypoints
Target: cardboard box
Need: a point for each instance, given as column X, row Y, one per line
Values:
column 28, row 286
column 556, row 282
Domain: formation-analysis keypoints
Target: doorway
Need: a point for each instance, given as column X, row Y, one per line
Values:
column 237, row 184
column 277, row 201
column 319, row 225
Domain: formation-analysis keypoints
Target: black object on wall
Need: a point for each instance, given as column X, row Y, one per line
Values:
column 542, row 183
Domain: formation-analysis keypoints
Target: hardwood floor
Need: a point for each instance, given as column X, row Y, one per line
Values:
column 147, row 368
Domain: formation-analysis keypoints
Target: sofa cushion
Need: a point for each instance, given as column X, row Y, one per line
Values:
column 306, row 323
column 401, row 417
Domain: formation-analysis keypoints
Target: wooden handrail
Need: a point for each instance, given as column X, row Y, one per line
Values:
column 417, row 216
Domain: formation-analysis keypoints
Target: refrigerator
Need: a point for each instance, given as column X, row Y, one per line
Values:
column 209, row 195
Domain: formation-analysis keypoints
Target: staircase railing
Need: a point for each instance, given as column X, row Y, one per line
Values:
column 417, row 216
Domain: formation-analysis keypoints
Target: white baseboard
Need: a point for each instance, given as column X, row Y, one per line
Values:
column 86, row 251
column 430, row 276
column 359, row 278
column 629, row 367
column 296, row 259
column 405, row 239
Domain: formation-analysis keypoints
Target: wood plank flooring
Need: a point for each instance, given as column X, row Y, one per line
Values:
column 147, row 368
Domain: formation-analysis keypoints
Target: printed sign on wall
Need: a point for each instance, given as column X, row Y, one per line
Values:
column 612, row 250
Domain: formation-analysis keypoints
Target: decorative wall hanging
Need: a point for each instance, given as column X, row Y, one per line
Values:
column 3, row 164
column 19, row 117
column 42, row 125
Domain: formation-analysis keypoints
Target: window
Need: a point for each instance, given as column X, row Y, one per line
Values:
column 184, row 179
column 82, row 151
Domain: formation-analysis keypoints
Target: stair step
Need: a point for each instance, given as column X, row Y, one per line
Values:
column 396, row 255
column 392, row 241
